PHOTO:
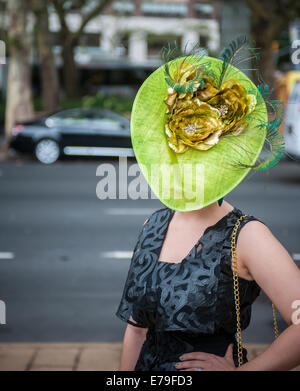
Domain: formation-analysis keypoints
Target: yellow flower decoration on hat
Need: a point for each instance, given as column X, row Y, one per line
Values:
column 198, row 119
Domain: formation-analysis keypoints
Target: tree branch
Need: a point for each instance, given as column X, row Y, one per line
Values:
column 58, row 5
column 258, row 9
column 88, row 17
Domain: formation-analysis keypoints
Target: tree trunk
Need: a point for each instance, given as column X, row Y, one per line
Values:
column 263, row 37
column 48, row 71
column 69, row 39
column 70, row 71
column 19, row 105
column 268, row 19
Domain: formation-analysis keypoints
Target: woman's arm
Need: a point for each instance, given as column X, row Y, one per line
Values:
column 134, row 338
column 271, row 266
column 261, row 257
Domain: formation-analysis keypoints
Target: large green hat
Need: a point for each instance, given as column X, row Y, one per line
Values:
column 198, row 126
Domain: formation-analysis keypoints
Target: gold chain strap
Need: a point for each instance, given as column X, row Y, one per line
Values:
column 237, row 295
column 276, row 333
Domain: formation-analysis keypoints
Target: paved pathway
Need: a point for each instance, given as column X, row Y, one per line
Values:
column 73, row 356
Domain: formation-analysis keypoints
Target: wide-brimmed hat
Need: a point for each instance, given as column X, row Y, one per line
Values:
column 199, row 124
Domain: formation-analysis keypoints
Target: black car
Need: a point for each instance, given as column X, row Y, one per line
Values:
column 82, row 132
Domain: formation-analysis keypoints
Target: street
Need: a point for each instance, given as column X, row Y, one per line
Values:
column 64, row 253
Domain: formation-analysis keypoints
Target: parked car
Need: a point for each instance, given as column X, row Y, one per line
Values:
column 82, row 132
column 292, row 124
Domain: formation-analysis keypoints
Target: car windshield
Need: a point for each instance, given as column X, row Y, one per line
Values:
column 96, row 119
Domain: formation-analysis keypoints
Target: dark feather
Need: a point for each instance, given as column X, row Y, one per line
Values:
column 229, row 54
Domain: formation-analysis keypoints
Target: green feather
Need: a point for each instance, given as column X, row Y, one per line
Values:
column 193, row 56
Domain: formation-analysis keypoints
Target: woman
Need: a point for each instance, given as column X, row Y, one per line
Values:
column 188, row 291
column 266, row 265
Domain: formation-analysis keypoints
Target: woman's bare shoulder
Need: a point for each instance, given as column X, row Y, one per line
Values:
column 255, row 229
column 257, row 245
column 253, row 237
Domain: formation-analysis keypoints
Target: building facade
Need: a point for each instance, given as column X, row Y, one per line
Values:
column 131, row 33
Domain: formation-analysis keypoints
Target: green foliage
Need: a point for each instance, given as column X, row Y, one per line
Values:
column 37, row 103
column 118, row 104
column 70, row 103
column 122, row 105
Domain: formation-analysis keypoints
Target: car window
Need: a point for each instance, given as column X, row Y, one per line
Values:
column 95, row 119
column 107, row 121
column 77, row 122
column 69, row 118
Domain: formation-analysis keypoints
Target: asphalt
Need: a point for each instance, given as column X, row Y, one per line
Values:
column 61, row 282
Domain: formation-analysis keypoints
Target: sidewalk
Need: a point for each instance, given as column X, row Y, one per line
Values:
column 72, row 356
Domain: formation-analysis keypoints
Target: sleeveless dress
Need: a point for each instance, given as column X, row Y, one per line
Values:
column 186, row 306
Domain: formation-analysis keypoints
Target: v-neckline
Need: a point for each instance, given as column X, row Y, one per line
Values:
column 170, row 217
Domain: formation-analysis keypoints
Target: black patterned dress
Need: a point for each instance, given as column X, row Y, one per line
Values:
column 186, row 306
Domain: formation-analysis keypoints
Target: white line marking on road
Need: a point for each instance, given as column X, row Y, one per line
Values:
column 128, row 211
column 98, row 151
column 117, row 254
column 296, row 256
column 7, row 255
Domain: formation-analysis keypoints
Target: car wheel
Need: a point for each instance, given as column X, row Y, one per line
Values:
column 47, row 151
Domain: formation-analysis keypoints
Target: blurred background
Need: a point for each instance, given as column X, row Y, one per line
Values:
column 69, row 72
